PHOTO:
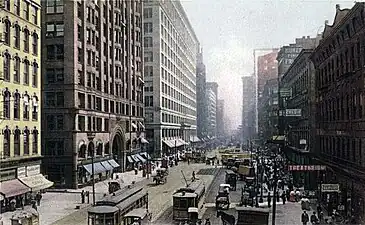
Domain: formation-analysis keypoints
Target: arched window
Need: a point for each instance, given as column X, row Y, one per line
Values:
column 17, row 69
column 26, row 72
column 7, row 32
column 107, row 149
column 26, row 141
column 16, row 97
column 90, row 150
column 16, row 141
column 26, row 40
column 35, row 107
column 35, row 74
column 6, row 67
column 17, row 36
column 6, row 142
column 26, row 100
column 6, row 102
column 35, row 141
column 35, row 43
column 99, row 150
column 82, row 150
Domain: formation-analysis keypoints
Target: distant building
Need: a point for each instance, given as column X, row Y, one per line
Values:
column 201, row 91
column 212, row 99
column 267, row 69
column 248, row 108
column 221, row 132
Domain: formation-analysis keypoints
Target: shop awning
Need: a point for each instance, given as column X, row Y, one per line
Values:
column 107, row 165
column 146, row 155
column 135, row 158
column 130, row 159
column 11, row 188
column 141, row 158
column 143, row 140
column 194, row 139
column 37, row 182
column 134, row 126
column 141, row 125
column 169, row 143
column 98, row 168
column 1, row 197
column 183, row 142
column 113, row 163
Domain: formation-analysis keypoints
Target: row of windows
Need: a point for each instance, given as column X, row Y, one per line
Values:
column 17, row 6
column 21, row 73
column 173, row 105
column 16, row 141
column 29, row 104
column 17, row 37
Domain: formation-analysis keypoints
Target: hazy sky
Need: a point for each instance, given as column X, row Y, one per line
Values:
column 229, row 30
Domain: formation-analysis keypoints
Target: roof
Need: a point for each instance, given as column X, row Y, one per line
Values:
column 140, row 213
column 103, row 209
column 185, row 195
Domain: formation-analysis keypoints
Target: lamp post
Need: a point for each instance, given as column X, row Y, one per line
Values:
column 90, row 137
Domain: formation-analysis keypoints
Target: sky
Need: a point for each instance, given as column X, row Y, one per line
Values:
column 229, row 30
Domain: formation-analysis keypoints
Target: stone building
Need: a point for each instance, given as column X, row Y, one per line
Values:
column 248, row 108
column 92, row 88
column 211, row 101
column 339, row 61
column 201, row 92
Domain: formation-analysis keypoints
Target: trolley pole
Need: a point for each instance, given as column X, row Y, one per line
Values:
column 274, row 194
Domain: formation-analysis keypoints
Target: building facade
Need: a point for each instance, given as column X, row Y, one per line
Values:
column 201, row 93
column 300, row 129
column 339, row 62
column 20, row 119
column 211, row 101
column 170, row 57
column 221, row 132
column 248, row 108
column 267, row 69
column 92, row 88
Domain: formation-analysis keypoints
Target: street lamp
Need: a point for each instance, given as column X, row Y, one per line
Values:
column 90, row 137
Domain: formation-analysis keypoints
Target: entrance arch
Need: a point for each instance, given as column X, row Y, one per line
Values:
column 118, row 150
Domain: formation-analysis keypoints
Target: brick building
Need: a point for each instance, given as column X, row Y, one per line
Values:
column 267, row 69
column 339, row 61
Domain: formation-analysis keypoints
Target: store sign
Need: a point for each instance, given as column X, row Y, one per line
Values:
column 330, row 187
column 33, row 170
column 302, row 142
column 21, row 172
column 293, row 112
column 306, row 167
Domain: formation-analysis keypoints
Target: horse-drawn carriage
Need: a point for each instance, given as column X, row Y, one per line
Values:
column 160, row 176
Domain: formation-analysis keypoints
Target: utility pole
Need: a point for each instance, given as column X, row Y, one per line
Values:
column 274, row 194
column 91, row 137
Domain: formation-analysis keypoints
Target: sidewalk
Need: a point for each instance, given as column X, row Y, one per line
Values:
column 59, row 203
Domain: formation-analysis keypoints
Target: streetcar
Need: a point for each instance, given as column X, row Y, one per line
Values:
column 114, row 209
column 185, row 198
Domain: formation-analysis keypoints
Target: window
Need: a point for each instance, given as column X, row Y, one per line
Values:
column 26, row 10
column 54, row 122
column 148, row 42
column 17, row 36
column 35, row 15
column 17, row 69
column 148, row 101
column 6, row 142
column 35, row 75
column 6, row 66
column 147, row 13
column 26, row 106
column 26, row 72
column 16, row 105
column 26, row 141
column 55, row 30
column 54, row 99
column 148, row 56
column 35, row 43
column 16, row 141
column 6, row 102
column 147, row 27
column 54, row 6
column 7, row 32
column 7, row 4
column 17, row 7
column 55, row 52
column 54, row 76
column 35, row 108
column 26, row 40
column 60, row 99
column 35, row 141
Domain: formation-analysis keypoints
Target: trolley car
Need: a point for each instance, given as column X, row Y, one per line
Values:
column 114, row 209
column 185, row 198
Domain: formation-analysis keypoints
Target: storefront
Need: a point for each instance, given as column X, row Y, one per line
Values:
column 13, row 193
column 102, row 171
column 173, row 146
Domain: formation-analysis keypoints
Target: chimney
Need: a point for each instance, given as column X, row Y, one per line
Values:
column 338, row 7
column 308, row 37
column 326, row 22
column 303, row 37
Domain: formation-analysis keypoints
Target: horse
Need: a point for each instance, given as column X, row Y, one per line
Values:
column 226, row 218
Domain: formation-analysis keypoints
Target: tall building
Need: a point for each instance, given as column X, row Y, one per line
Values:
column 211, row 101
column 20, row 81
column 248, row 108
column 339, row 61
column 201, row 90
column 267, row 69
column 221, row 132
column 170, row 57
column 92, row 88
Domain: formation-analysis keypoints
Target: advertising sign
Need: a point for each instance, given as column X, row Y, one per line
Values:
column 306, row 167
column 293, row 112
column 285, row 92
column 21, row 172
column 330, row 187
column 33, row 170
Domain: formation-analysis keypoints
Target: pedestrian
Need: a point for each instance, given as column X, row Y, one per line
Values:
column 269, row 199
column 88, row 197
column 277, row 196
column 319, row 209
column 193, row 176
column 314, row 219
column 305, row 218
column 207, row 221
column 38, row 198
column 283, row 197
column 82, row 197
